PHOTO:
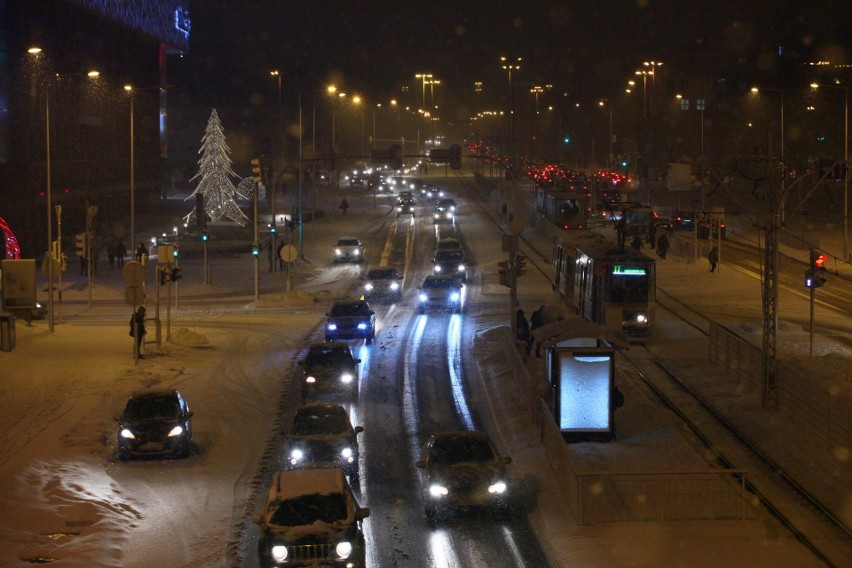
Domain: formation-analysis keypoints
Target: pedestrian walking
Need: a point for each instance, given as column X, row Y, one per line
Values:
column 662, row 246
column 536, row 321
column 713, row 257
column 344, row 205
column 111, row 256
column 523, row 329
column 636, row 243
column 140, row 252
column 652, row 235
column 137, row 331
column 621, row 230
column 120, row 253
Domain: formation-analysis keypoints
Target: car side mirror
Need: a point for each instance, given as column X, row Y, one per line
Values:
column 359, row 429
column 420, row 463
column 190, row 414
column 362, row 513
column 257, row 518
column 507, row 460
column 371, row 312
column 117, row 419
column 300, row 362
column 356, row 361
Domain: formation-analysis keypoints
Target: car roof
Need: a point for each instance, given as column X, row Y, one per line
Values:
column 442, row 277
column 293, row 483
column 347, row 239
column 461, row 434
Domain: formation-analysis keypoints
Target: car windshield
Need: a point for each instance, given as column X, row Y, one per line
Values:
column 348, row 243
column 382, row 274
column 312, row 423
column 440, row 283
column 329, row 356
column 147, row 407
column 308, row 509
column 349, row 310
column 456, row 450
column 449, row 256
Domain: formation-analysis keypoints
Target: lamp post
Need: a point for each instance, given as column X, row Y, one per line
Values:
column 277, row 74
column 846, row 164
column 36, row 52
column 356, row 100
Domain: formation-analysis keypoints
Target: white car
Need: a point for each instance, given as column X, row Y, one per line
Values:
column 348, row 249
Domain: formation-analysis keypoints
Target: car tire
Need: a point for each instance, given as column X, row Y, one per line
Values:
column 123, row 455
column 421, row 310
column 370, row 339
column 432, row 515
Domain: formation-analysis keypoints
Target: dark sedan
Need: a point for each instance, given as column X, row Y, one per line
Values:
column 350, row 320
column 322, row 436
column 462, row 470
column 329, row 367
column 155, row 423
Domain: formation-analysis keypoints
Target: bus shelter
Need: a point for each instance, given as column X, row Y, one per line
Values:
column 580, row 367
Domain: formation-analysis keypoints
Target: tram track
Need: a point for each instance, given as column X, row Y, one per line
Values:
column 773, row 488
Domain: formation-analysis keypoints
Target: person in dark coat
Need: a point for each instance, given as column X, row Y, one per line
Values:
column 662, row 246
column 523, row 328
column 713, row 257
column 536, row 321
column 120, row 253
column 137, row 330
column 636, row 243
column 621, row 230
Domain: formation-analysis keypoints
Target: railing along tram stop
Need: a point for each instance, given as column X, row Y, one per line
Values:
column 580, row 369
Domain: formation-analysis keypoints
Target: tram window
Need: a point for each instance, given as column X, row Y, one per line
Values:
column 628, row 284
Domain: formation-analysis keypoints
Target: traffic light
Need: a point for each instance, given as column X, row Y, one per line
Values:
column 255, row 249
column 257, row 170
column 816, row 270
column 455, row 156
column 175, row 251
column 80, row 244
column 176, row 273
column 566, row 139
column 205, row 236
column 520, row 265
column 395, row 160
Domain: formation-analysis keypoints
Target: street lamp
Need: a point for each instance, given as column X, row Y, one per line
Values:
column 36, row 52
column 424, row 78
column 846, row 162
column 537, row 90
column 277, row 74
column 356, row 100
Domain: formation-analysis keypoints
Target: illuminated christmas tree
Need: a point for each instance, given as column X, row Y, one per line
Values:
column 214, row 178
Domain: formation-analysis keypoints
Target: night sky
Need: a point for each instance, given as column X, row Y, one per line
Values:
column 585, row 47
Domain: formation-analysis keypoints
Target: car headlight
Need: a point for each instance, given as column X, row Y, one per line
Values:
column 394, row 286
column 399, row 208
column 436, row 490
column 368, row 286
column 279, row 553
column 437, row 268
column 310, row 379
column 332, row 327
column 423, row 297
column 362, row 326
column 640, row 318
column 437, row 215
column 126, row 433
column 296, row 456
column 347, row 453
column 346, row 377
column 357, row 252
column 455, row 297
column 338, row 252
column 343, row 549
column 461, row 267
column 497, row 487
column 176, row 431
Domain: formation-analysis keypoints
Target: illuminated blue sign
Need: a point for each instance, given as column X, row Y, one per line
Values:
column 163, row 20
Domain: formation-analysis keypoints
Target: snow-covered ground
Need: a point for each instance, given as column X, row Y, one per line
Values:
column 66, row 496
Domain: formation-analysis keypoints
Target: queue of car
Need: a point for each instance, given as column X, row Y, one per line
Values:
column 311, row 515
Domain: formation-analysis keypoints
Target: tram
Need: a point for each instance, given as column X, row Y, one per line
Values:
column 566, row 209
column 608, row 286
